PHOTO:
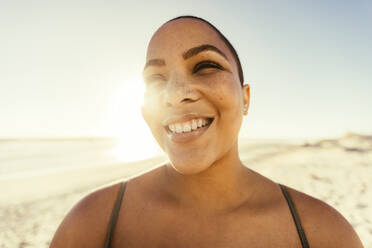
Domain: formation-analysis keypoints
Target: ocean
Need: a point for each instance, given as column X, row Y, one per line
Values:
column 32, row 169
column 20, row 158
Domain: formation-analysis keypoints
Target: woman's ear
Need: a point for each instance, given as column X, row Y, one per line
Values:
column 246, row 98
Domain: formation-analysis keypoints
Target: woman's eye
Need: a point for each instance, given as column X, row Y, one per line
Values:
column 156, row 78
column 206, row 65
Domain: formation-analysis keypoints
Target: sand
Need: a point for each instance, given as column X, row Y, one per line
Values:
column 338, row 171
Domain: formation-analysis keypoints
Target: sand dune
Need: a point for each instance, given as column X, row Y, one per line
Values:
column 338, row 171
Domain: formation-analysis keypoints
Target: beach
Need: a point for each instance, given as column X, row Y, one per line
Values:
column 337, row 171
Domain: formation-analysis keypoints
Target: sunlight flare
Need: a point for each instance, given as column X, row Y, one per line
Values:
column 125, row 122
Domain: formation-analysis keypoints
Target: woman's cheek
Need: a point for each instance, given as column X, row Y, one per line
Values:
column 151, row 100
column 226, row 96
column 149, row 107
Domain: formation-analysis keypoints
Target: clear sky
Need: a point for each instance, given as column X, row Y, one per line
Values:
column 73, row 68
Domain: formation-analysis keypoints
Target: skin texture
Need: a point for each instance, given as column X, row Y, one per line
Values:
column 205, row 196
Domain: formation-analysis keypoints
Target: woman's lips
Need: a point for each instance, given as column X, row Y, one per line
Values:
column 179, row 118
column 183, row 137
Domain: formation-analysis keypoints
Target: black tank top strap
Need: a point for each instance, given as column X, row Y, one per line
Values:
column 116, row 209
column 296, row 218
column 114, row 216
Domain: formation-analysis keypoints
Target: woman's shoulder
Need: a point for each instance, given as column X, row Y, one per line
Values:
column 324, row 226
column 86, row 223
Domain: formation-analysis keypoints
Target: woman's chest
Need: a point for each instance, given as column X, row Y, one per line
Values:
column 164, row 228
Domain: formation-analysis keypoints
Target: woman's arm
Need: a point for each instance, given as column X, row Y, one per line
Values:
column 86, row 224
column 324, row 226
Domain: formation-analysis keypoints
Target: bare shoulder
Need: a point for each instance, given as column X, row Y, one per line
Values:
column 324, row 226
column 86, row 223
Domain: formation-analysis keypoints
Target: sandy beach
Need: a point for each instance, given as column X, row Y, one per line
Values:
column 337, row 171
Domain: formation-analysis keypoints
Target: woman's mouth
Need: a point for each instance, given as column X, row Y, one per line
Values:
column 188, row 130
column 189, row 126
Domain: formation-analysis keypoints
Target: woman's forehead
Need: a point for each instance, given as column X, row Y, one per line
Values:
column 176, row 37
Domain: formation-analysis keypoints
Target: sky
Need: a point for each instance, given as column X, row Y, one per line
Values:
column 73, row 68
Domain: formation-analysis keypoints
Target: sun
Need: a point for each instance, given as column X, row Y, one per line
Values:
column 125, row 122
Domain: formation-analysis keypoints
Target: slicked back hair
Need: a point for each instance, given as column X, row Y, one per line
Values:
column 224, row 39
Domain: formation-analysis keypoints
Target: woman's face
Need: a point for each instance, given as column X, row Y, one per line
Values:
column 194, row 101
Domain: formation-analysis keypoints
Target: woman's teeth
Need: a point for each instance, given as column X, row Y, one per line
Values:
column 189, row 126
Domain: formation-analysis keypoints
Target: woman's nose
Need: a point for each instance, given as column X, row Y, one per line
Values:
column 179, row 91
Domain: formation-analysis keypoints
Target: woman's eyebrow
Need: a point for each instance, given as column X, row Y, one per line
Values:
column 189, row 53
column 206, row 47
column 154, row 62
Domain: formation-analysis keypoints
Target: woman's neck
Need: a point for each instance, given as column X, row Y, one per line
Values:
column 220, row 188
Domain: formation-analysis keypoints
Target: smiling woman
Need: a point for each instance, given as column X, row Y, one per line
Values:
column 199, row 91
column 194, row 103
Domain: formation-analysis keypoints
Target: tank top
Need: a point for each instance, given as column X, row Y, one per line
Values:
column 292, row 208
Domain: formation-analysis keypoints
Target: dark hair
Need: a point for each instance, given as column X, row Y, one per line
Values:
column 224, row 39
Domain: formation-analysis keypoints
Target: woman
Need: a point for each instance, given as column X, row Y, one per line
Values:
column 205, row 197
